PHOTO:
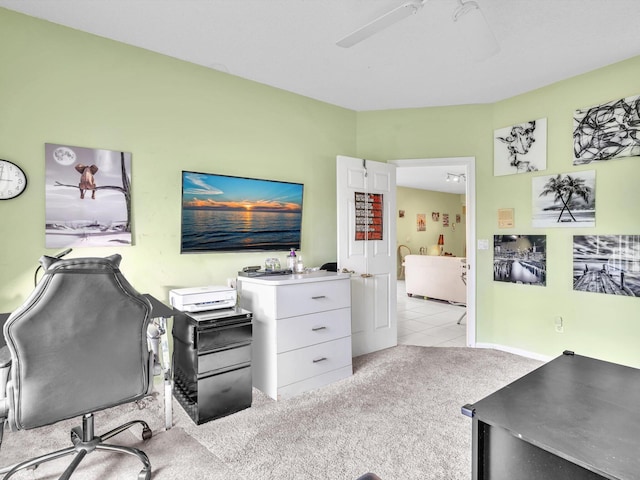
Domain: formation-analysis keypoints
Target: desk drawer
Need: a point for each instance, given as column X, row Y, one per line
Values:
column 305, row 298
column 315, row 360
column 224, row 358
column 215, row 396
column 299, row 332
column 192, row 363
column 207, row 339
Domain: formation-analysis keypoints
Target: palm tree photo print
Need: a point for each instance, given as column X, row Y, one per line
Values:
column 564, row 200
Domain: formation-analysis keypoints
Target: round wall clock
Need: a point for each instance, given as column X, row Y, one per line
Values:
column 13, row 180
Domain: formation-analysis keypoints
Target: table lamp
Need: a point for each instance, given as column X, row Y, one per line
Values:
column 441, row 243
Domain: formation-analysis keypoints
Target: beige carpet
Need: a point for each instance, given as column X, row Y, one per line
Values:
column 398, row 416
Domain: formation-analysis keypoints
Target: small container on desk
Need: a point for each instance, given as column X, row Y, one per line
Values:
column 212, row 362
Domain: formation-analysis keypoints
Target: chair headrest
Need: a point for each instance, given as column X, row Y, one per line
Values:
column 54, row 263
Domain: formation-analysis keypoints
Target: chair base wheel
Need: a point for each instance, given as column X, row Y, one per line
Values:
column 144, row 475
column 84, row 442
column 146, row 433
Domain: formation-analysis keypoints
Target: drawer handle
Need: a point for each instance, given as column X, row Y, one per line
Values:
column 318, row 297
column 315, row 329
column 321, row 359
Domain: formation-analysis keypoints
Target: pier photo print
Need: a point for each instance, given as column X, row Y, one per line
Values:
column 520, row 259
column 607, row 264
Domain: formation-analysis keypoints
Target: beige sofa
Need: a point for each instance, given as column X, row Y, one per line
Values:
column 436, row 277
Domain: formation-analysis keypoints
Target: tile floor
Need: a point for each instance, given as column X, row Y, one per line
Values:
column 429, row 323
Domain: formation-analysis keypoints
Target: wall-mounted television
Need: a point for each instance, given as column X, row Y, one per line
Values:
column 222, row 213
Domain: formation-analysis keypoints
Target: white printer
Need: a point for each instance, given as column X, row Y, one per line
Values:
column 198, row 299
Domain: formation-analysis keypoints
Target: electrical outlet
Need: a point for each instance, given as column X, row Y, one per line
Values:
column 231, row 282
column 559, row 324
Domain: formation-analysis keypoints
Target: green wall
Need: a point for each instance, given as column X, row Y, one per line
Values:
column 58, row 85
column 517, row 316
column 414, row 202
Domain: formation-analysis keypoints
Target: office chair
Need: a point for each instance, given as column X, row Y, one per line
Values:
column 77, row 345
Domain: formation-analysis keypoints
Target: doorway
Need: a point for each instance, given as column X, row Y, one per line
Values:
column 424, row 167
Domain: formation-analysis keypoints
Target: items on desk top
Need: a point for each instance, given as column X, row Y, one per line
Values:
column 262, row 273
column 291, row 260
column 198, row 299
column 272, row 264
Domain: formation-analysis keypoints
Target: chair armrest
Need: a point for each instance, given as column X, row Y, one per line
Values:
column 5, row 369
column 5, row 357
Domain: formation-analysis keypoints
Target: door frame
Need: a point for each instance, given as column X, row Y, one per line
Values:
column 470, row 224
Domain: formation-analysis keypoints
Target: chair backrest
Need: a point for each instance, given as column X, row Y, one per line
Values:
column 78, row 344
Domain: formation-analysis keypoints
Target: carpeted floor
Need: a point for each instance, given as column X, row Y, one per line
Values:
column 398, row 416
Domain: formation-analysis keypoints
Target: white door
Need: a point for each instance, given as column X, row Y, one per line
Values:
column 367, row 246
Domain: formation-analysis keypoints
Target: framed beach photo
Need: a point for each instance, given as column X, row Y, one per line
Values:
column 564, row 200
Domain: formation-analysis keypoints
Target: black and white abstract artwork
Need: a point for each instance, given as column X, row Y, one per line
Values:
column 607, row 264
column 607, row 131
column 564, row 200
column 520, row 148
column 520, row 259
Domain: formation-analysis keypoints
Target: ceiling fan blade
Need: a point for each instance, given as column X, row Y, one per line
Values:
column 382, row 22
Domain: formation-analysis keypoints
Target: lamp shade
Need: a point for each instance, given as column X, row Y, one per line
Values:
column 441, row 240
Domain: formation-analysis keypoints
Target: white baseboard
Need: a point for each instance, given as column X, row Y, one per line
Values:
column 515, row 351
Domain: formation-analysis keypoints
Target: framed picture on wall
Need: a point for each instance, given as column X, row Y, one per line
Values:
column 87, row 197
column 564, row 200
column 520, row 148
column 520, row 259
column 607, row 264
column 421, row 222
column 606, row 131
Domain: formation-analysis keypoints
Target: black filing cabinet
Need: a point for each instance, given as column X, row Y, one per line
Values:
column 212, row 362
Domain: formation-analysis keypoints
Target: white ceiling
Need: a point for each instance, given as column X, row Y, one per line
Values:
column 431, row 178
column 420, row 61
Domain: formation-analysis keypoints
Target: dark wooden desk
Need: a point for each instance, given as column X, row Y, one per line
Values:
column 573, row 418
